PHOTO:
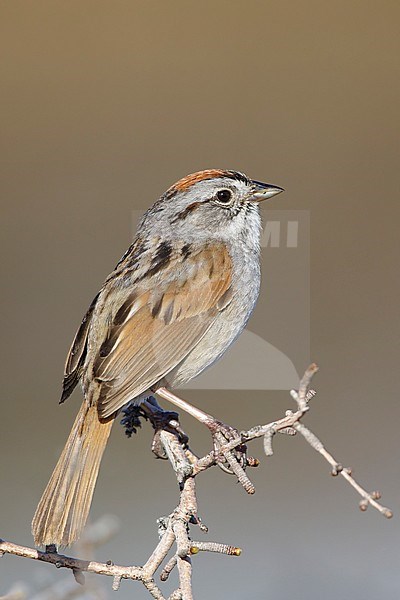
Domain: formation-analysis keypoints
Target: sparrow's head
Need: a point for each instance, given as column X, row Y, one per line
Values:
column 211, row 204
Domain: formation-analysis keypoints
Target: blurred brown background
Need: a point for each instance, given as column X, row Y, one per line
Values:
column 106, row 103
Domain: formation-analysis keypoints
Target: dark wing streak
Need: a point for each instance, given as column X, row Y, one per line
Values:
column 77, row 354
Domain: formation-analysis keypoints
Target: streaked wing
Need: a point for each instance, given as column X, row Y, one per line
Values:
column 77, row 354
column 165, row 316
column 74, row 364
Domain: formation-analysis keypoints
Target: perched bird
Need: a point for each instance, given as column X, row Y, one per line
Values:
column 177, row 299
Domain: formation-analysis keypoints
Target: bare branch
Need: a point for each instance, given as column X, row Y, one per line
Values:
column 174, row 529
column 61, row 561
column 215, row 547
column 338, row 469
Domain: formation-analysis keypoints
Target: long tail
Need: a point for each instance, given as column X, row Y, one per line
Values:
column 63, row 509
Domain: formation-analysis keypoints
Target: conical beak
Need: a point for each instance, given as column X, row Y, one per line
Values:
column 264, row 191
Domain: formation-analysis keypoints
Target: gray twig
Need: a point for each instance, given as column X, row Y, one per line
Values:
column 174, row 529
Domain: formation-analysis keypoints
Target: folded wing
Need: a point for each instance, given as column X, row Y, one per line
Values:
column 163, row 318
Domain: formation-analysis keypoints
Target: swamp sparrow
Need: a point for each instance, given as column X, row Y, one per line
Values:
column 174, row 303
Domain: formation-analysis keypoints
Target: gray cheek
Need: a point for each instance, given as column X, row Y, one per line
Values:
column 204, row 224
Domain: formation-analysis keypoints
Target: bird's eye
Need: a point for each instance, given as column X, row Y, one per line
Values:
column 224, row 196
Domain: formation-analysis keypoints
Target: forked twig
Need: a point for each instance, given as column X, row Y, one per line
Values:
column 174, row 530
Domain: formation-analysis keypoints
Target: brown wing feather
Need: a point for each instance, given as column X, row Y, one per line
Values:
column 162, row 325
column 76, row 355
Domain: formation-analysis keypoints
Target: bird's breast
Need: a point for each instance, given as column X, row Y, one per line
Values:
column 228, row 324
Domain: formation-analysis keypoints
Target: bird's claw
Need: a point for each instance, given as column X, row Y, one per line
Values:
column 221, row 435
column 161, row 420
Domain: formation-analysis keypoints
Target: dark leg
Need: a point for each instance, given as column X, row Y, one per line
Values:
column 159, row 418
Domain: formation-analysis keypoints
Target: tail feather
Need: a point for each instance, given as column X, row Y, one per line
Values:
column 63, row 509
